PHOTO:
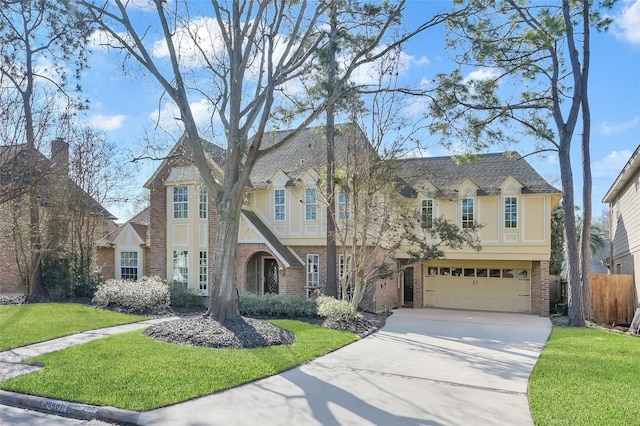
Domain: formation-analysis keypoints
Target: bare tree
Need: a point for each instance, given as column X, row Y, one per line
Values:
column 246, row 59
column 41, row 46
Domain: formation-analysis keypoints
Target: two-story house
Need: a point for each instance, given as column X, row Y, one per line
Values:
column 624, row 222
column 282, row 236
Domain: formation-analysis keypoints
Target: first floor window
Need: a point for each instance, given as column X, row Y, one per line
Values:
column 278, row 202
column 427, row 213
column 510, row 212
column 129, row 265
column 467, row 213
column 311, row 204
column 181, row 266
column 180, row 202
column 313, row 274
column 345, row 268
column 203, row 269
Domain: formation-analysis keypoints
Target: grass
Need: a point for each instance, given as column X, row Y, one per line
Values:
column 25, row 324
column 134, row 372
column 586, row 376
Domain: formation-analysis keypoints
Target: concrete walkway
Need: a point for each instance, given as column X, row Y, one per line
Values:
column 425, row 367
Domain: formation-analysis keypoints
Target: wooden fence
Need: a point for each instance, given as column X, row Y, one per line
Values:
column 612, row 298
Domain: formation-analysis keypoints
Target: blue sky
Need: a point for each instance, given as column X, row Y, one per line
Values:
column 125, row 106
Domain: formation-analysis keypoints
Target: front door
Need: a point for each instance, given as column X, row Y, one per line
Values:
column 270, row 276
column 408, row 286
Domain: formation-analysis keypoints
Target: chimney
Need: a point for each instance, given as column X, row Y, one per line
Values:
column 60, row 156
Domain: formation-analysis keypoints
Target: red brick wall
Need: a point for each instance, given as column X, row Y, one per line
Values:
column 9, row 273
column 540, row 288
column 106, row 259
column 158, row 225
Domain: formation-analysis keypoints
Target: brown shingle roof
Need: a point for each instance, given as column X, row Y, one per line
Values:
column 487, row 171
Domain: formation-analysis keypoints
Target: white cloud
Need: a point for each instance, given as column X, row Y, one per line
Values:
column 481, row 74
column 612, row 128
column 107, row 122
column 611, row 165
column 627, row 22
column 201, row 39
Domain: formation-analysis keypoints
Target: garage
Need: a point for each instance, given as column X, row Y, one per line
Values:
column 487, row 286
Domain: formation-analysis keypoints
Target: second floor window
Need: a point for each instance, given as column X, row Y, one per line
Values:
column 510, row 212
column 180, row 202
column 203, row 204
column 467, row 213
column 427, row 213
column 343, row 206
column 278, row 202
column 311, row 204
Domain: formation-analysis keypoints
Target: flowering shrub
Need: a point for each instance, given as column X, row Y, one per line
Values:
column 147, row 294
column 332, row 308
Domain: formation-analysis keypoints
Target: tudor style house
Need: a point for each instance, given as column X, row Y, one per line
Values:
column 282, row 236
column 624, row 222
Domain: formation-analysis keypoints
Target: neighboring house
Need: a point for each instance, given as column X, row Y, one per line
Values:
column 282, row 237
column 124, row 252
column 54, row 189
column 624, row 215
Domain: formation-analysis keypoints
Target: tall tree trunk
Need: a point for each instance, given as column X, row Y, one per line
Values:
column 573, row 260
column 224, row 297
column 586, row 168
column 330, row 286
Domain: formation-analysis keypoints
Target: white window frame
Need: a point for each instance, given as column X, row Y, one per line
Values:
column 343, row 205
column 183, row 273
column 311, row 204
column 180, row 202
column 467, row 212
column 203, row 203
column 203, row 270
column 129, row 265
column 511, row 216
column 313, row 274
column 426, row 212
column 341, row 272
column 279, row 204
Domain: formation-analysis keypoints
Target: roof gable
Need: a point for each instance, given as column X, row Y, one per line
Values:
column 487, row 172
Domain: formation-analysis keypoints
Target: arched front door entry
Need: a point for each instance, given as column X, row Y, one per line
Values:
column 270, row 275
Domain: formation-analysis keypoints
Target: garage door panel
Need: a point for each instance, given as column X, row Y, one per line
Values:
column 479, row 288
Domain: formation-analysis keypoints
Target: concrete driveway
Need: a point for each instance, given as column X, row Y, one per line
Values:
column 425, row 367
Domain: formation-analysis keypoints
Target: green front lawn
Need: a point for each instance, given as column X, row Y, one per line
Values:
column 134, row 372
column 586, row 376
column 25, row 324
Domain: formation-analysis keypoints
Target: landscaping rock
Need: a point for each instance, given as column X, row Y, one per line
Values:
column 206, row 332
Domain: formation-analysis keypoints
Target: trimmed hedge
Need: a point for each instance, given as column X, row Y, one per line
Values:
column 277, row 305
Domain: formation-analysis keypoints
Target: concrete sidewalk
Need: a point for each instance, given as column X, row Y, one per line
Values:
column 425, row 367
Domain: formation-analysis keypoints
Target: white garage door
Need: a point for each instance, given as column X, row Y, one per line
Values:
column 486, row 287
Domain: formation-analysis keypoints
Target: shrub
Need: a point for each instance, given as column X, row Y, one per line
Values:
column 183, row 297
column 277, row 305
column 149, row 294
column 331, row 308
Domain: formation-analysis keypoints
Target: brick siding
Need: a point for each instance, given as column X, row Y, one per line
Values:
column 540, row 288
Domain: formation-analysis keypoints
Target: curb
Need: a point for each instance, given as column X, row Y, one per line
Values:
column 69, row 409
